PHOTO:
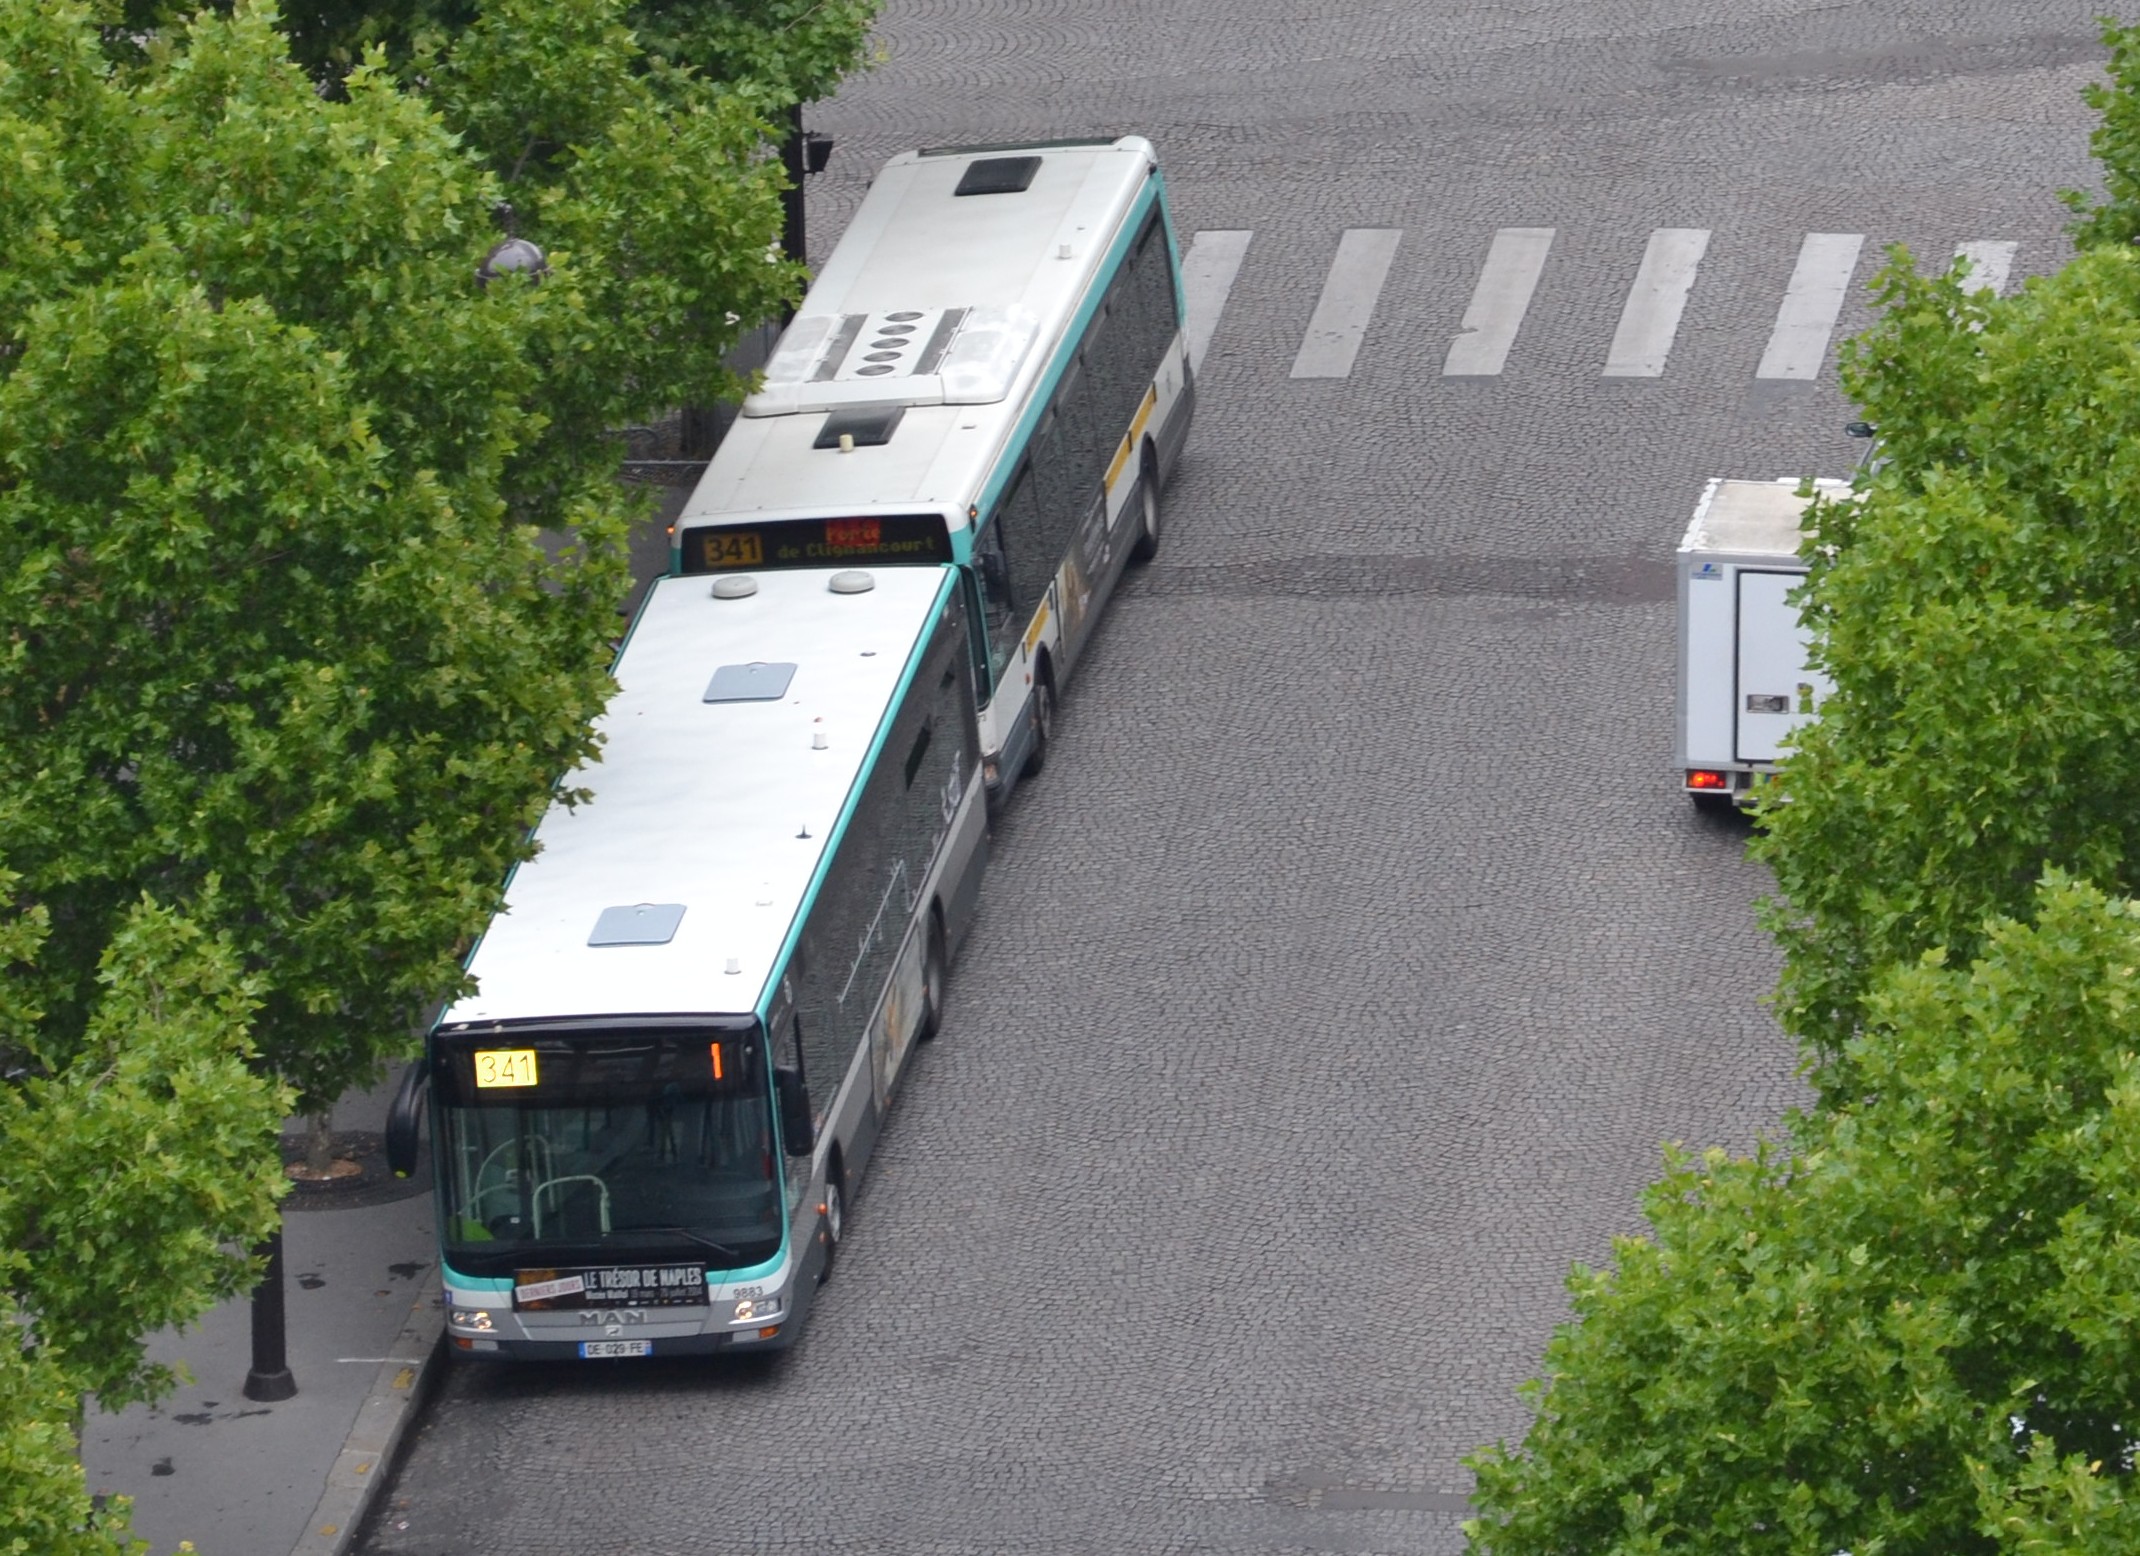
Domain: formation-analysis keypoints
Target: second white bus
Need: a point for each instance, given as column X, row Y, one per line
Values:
column 990, row 370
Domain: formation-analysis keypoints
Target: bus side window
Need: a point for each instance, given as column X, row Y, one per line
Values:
column 788, row 1048
column 975, row 620
column 999, row 602
column 920, row 752
column 816, row 1032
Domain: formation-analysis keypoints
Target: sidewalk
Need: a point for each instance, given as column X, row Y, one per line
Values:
column 243, row 1479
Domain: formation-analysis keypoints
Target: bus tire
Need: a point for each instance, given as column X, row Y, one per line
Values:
column 832, row 1225
column 1147, row 545
column 935, row 972
column 1036, row 756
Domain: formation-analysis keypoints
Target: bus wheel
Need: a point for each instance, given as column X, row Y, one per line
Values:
column 933, row 975
column 834, row 1221
column 1043, row 720
column 1147, row 545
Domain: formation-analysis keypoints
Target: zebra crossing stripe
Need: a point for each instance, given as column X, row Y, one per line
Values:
column 1508, row 281
column 1348, row 302
column 1990, row 263
column 1499, row 302
column 1655, row 302
column 1207, row 277
column 1811, row 304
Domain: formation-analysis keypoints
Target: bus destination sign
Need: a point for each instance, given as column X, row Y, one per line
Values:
column 659, row 1285
column 900, row 539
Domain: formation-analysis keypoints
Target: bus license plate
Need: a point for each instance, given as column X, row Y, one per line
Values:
column 594, row 1350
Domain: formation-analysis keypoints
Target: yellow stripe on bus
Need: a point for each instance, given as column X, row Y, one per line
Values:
column 1136, row 431
column 1032, row 633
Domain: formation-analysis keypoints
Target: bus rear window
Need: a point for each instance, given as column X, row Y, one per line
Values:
column 915, row 539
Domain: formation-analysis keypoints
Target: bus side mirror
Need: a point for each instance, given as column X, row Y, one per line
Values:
column 796, row 1128
column 404, row 1118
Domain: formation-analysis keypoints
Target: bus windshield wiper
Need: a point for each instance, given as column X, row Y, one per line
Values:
column 722, row 1249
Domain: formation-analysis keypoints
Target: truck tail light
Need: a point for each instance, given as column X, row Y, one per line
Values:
column 1703, row 778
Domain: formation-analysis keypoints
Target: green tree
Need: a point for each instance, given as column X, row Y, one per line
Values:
column 776, row 52
column 1912, row 1328
column 784, row 51
column 310, row 556
column 1975, row 603
column 127, row 1170
column 249, row 638
column 651, row 183
column 286, row 586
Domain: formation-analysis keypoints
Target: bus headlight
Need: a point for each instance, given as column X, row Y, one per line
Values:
column 756, row 1310
column 470, row 1318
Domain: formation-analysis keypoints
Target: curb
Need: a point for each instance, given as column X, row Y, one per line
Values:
column 360, row 1470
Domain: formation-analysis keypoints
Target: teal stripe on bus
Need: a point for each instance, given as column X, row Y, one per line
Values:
column 948, row 583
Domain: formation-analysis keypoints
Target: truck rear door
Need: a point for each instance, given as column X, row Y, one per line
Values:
column 1776, row 690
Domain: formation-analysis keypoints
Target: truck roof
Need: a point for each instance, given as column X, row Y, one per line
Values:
column 711, row 796
column 1753, row 518
column 926, row 332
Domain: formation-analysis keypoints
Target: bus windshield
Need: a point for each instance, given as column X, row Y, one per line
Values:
column 607, row 1150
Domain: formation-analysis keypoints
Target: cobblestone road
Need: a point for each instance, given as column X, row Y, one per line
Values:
column 1337, row 985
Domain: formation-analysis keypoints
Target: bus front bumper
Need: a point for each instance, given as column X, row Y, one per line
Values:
column 772, row 1337
column 482, row 1325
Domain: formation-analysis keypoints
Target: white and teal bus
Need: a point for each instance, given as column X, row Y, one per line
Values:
column 989, row 370
column 697, row 1003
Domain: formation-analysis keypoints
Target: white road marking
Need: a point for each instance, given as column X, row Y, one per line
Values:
column 1811, row 304
column 1990, row 263
column 1499, row 302
column 1207, row 276
column 1348, row 302
column 1655, row 302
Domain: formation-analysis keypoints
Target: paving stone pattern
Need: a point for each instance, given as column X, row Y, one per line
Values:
column 1336, row 986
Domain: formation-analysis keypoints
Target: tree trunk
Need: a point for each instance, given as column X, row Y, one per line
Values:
column 319, row 1143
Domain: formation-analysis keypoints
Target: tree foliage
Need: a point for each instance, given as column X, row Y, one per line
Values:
column 310, row 557
column 1912, row 1328
column 127, row 1173
column 775, row 52
column 284, row 587
column 1976, row 602
column 268, row 620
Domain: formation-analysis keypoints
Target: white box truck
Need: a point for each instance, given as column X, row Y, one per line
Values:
column 1744, row 683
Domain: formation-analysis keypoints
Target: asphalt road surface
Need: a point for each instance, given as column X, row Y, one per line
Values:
column 1339, row 982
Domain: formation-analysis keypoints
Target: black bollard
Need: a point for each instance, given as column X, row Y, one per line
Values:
column 270, row 1378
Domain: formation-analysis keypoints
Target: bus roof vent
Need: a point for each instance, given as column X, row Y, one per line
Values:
column 638, row 923
column 755, row 682
column 905, row 356
column 904, row 343
column 998, row 175
column 871, row 427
